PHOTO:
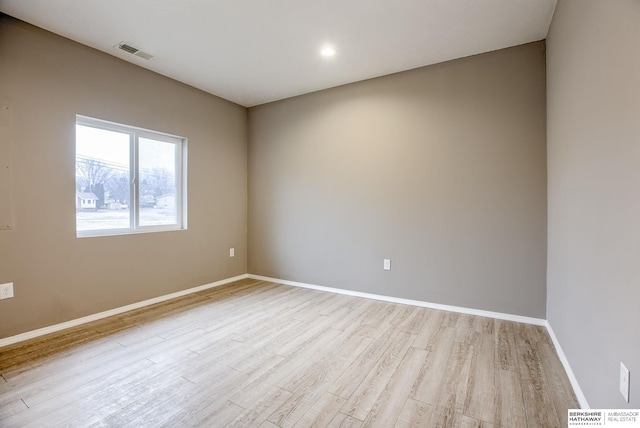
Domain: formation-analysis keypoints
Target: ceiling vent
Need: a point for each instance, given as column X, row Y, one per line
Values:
column 133, row 50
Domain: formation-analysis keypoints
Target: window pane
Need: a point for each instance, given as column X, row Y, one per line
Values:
column 158, row 185
column 102, row 179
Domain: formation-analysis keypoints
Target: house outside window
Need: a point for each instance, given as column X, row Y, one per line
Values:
column 85, row 201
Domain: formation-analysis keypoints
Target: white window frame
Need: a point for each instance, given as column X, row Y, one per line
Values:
column 135, row 134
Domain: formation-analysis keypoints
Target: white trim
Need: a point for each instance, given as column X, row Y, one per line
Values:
column 567, row 368
column 459, row 309
column 78, row 321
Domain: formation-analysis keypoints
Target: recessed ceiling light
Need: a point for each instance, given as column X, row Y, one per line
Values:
column 328, row 51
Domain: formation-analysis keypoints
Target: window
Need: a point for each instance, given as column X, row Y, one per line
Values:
column 128, row 180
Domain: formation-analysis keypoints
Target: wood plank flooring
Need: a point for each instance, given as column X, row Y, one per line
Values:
column 258, row 354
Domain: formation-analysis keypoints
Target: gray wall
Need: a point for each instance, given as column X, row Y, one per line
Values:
column 593, row 304
column 47, row 80
column 441, row 169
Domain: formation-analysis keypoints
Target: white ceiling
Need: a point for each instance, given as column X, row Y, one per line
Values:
column 256, row 51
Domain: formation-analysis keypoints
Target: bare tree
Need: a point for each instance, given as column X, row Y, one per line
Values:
column 92, row 172
column 119, row 187
column 157, row 182
column 92, row 175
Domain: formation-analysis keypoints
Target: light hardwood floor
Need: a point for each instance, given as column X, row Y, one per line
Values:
column 258, row 354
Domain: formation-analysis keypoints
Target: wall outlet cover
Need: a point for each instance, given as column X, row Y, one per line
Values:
column 6, row 290
column 624, row 382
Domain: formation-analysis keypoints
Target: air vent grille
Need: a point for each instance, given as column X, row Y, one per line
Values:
column 127, row 48
column 133, row 50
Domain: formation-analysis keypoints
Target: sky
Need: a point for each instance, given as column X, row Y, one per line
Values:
column 112, row 148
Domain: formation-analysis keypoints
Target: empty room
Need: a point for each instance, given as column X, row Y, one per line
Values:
column 332, row 214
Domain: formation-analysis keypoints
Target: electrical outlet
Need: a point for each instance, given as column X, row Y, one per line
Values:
column 624, row 382
column 386, row 264
column 6, row 290
column 232, row 252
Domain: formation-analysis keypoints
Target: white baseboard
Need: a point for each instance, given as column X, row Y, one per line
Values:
column 567, row 368
column 459, row 309
column 78, row 321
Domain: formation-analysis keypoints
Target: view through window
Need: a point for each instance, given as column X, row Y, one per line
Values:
column 127, row 179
